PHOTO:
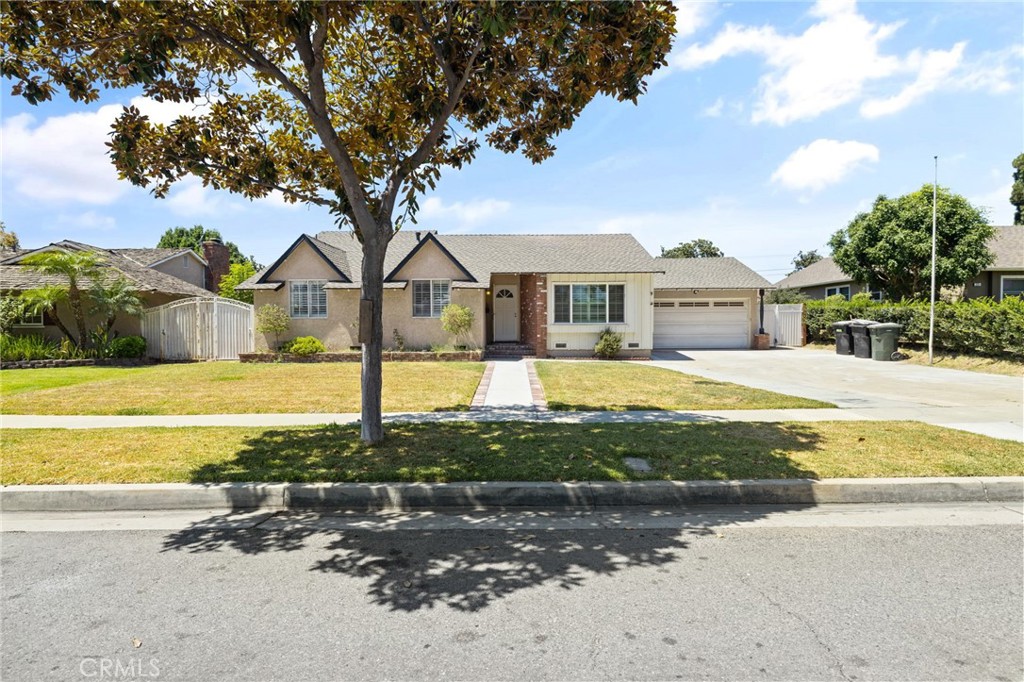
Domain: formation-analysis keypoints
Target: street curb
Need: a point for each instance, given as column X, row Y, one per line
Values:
column 369, row 497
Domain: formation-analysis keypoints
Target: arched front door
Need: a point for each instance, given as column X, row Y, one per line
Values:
column 506, row 312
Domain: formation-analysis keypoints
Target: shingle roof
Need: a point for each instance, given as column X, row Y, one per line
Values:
column 16, row 277
column 824, row 271
column 148, row 257
column 707, row 273
column 1008, row 248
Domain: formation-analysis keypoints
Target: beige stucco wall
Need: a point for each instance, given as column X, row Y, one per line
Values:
column 638, row 327
column 340, row 329
column 304, row 263
column 193, row 273
column 429, row 263
column 748, row 295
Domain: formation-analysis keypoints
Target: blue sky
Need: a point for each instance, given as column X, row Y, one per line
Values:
column 773, row 126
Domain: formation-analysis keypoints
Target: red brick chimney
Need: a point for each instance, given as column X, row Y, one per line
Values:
column 218, row 262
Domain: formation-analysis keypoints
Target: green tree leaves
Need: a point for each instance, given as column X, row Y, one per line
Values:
column 889, row 248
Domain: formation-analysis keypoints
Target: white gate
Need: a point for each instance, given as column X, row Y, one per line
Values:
column 199, row 329
column 785, row 323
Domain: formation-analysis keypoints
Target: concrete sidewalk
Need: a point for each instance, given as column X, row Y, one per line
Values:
column 948, row 417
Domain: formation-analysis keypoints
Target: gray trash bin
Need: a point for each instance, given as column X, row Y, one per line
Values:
column 844, row 342
column 885, row 338
column 861, row 340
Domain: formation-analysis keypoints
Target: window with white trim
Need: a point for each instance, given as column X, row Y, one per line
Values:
column 842, row 291
column 430, row 296
column 1013, row 286
column 590, row 303
column 30, row 319
column 307, row 298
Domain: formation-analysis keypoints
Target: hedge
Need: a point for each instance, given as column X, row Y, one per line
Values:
column 980, row 326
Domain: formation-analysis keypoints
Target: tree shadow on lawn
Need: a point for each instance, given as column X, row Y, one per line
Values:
column 413, row 561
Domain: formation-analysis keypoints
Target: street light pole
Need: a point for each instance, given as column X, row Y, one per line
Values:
column 931, row 313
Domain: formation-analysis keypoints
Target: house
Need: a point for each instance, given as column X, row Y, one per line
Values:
column 1005, row 277
column 824, row 279
column 157, row 276
column 706, row 303
column 551, row 294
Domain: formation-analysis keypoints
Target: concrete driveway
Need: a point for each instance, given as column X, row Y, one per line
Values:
column 989, row 404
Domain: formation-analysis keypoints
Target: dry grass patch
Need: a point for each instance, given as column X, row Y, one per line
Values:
column 969, row 363
column 514, row 451
column 234, row 388
column 635, row 386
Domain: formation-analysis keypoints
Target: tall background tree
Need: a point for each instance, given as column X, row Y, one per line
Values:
column 193, row 238
column 889, row 247
column 348, row 105
column 238, row 273
column 698, row 248
column 802, row 260
column 8, row 240
column 1017, row 191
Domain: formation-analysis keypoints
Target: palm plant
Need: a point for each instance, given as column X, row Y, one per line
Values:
column 45, row 300
column 79, row 268
column 115, row 299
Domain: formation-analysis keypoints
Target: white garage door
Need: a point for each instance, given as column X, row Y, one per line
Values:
column 701, row 324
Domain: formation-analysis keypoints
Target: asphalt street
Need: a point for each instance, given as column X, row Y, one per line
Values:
column 840, row 593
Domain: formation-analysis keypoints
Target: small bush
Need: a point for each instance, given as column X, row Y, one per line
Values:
column 399, row 340
column 608, row 344
column 126, row 347
column 457, row 320
column 305, row 345
column 272, row 319
column 32, row 347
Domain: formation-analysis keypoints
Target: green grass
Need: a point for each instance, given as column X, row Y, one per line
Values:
column 503, row 451
column 635, row 386
column 232, row 388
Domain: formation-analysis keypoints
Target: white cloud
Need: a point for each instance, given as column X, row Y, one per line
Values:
column 89, row 221
column 465, row 214
column 64, row 158
column 823, row 162
column 191, row 200
column 996, row 202
column 714, row 110
column 691, row 16
column 839, row 60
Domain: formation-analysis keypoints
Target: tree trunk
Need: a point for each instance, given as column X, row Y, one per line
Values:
column 371, row 378
column 75, row 301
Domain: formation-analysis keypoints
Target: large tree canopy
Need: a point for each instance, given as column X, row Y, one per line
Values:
column 193, row 238
column 697, row 248
column 348, row 105
column 802, row 260
column 1017, row 191
column 889, row 248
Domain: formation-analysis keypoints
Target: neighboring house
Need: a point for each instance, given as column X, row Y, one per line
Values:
column 158, row 276
column 823, row 279
column 553, row 294
column 1005, row 277
column 706, row 303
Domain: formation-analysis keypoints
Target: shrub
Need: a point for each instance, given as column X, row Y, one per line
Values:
column 127, row 347
column 11, row 310
column 608, row 344
column 31, row 347
column 978, row 326
column 272, row 319
column 305, row 345
column 457, row 320
column 399, row 340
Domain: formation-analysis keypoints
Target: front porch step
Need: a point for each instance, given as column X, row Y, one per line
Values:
column 509, row 350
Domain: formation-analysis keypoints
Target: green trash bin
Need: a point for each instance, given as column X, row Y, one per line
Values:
column 885, row 337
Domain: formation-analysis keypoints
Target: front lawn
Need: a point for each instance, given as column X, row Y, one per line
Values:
column 232, row 388
column 513, row 451
column 635, row 386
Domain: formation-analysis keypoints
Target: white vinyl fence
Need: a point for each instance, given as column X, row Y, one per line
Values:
column 199, row 329
column 785, row 323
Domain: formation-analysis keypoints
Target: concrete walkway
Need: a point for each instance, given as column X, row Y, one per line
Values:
column 510, row 386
